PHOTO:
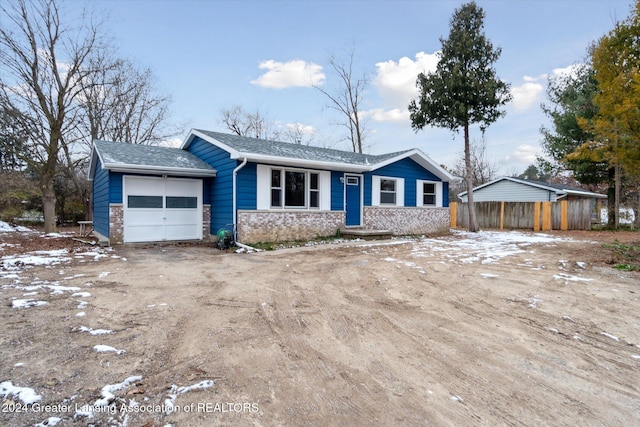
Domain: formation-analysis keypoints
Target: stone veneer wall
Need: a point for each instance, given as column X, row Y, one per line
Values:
column 206, row 222
column 116, row 223
column 274, row 226
column 407, row 220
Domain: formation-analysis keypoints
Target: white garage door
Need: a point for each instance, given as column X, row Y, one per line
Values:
column 157, row 209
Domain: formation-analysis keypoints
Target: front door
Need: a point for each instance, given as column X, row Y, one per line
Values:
column 353, row 200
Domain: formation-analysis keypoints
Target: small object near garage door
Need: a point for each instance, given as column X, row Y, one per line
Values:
column 157, row 209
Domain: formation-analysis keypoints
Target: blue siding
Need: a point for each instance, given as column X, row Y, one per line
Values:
column 367, row 189
column 410, row 171
column 337, row 191
column 101, row 200
column 445, row 194
column 115, row 187
column 246, row 183
column 206, row 189
column 220, row 190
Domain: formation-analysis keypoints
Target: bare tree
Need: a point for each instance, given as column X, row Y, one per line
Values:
column 483, row 169
column 64, row 88
column 45, row 63
column 255, row 125
column 348, row 99
column 120, row 103
column 298, row 133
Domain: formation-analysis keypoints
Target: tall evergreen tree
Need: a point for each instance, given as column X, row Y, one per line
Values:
column 464, row 89
column 616, row 125
column 571, row 100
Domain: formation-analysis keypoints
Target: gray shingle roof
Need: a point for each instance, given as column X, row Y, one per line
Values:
column 557, row 188
column 124, row 155
column 288, row 150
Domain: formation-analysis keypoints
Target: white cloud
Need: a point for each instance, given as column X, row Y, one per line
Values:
column 295, row 73
column 524, row 153
column 301, row 128
column 527, row 94
column 173, row 142
column 394, row 115
column 396, row 81
column 571, row 70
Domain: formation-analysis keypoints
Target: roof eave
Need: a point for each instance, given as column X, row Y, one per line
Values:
column 302, row 163
column 159, row 170
column 585, row 194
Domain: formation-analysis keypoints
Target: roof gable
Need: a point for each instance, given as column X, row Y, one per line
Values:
column 125, row 157
column 285, row 153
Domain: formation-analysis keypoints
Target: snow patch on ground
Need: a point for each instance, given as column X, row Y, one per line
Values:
column 485, row 247
column 26, row 303
column 107, row 348
column 95, row 331
column 169, row 402
column 27, row 395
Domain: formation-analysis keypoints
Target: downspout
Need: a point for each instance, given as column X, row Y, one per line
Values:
column 235, row 212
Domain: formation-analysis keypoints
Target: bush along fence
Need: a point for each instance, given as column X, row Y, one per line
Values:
column 536, row 216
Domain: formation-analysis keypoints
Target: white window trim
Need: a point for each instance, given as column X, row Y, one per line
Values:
column 420, row 193
column 375, row 190
column 263, row 188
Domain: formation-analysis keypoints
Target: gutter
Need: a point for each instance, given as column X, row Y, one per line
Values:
column 235, row 212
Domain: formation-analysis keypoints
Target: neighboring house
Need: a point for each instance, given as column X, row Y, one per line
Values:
column 507, row 189
column 510, row 203
column 269, row 190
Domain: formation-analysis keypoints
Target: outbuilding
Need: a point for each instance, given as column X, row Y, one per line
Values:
column 508, row 189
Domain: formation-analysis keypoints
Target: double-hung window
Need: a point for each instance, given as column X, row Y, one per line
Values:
column 428, row 194
column 388, row 191
column 294, row 189
column 276, row 188
column 314, row 190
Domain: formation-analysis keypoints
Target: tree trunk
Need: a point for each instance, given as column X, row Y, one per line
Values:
column 617, row 201
column 49, row 204
column 473, row 224
column 611, row 199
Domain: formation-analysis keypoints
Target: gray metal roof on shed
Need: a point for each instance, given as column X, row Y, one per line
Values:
column 289, row 150
column 127, row 157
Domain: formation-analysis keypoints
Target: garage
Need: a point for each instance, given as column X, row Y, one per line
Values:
column 162, row 208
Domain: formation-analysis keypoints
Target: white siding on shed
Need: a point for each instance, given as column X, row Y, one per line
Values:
column 510, row 191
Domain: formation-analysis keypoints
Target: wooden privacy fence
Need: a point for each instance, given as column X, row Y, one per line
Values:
column 563, row 215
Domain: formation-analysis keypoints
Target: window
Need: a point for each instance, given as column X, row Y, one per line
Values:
column 428, row 194
column 388, row 191
column 295, row 189
column 314, row 190
column 276, row 188
column 352, row 180
column 141, row 202
column 175, row 202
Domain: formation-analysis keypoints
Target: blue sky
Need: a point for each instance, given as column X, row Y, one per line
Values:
column 211, row 55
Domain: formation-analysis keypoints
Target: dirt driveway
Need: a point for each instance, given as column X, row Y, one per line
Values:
column 486, row 329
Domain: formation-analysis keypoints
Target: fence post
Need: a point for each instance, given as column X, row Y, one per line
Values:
column 564, row 215
column 536, row 216
column 502, row 215
column 453, row 213
column 546, row 216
